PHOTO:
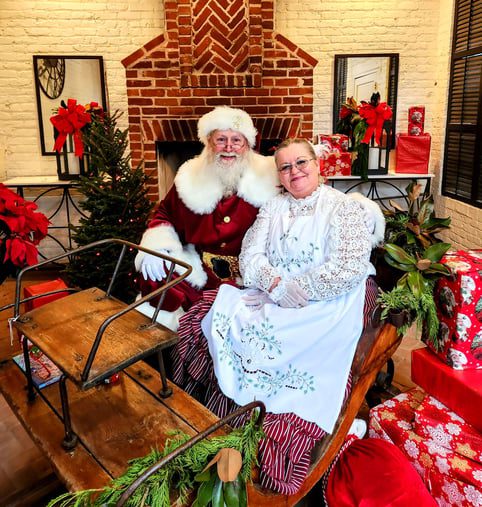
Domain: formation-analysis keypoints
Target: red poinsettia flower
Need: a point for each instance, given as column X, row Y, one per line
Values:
column 23, row 228
column 21, row 251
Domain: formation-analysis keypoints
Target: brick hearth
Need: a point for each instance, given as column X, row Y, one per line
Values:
column 213, row 53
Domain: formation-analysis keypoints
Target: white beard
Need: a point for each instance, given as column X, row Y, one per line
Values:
column 229, row 174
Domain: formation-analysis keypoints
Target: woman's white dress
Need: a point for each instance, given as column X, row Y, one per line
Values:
column 294, row 360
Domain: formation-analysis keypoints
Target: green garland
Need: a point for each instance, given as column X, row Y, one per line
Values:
column 176, row 476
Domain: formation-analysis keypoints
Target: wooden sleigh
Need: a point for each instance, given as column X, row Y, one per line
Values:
column 106, row 426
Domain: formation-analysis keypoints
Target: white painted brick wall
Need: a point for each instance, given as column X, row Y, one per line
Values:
column 420, row 31
column 112, row 29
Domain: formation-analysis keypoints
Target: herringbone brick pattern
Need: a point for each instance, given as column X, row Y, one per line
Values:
column 220, row 36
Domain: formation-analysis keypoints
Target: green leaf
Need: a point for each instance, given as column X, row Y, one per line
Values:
column 425, row 212
column 397, row 265
column 205, row 491
column 203, row 476
column 437, row 251
column 218, row 497
column 231, row 492
column 439, row 269
column 434, row 224
column 399, row 254
column 416, row 283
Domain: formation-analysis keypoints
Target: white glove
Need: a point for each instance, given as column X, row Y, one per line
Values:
column 256, row 299
column 289, row 295
column 154, row 268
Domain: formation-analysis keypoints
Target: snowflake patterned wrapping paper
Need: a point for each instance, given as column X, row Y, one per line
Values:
column 335, row 160
column 452, row 478
column 461, row 391
column 459, row 308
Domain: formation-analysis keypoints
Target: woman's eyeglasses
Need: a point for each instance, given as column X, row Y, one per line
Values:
column 223, row 142
column 301, row 164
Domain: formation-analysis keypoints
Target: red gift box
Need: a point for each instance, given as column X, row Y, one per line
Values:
column 336, row 164
column 416, row 120
column 451, row 477
column 42, row 288
column 335, row 141
column 412, row 153
column 332, row 150
column 459, row 308
column 461, row 391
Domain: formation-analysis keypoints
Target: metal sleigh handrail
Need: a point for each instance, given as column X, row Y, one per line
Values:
column 161, row 291
column 70, row 439
column 190, row 443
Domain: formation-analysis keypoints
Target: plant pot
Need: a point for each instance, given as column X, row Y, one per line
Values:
column 399, row 317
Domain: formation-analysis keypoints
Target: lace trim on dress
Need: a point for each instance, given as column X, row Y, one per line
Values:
column 349, row 259
column 305, row 206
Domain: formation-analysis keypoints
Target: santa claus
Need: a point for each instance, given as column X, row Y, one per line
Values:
column 203, row 218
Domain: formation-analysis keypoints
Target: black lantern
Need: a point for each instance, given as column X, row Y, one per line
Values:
column 378, row 155
column 69, row 166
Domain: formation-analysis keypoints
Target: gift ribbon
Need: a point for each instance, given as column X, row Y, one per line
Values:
column 375, row 117
column 70, row 120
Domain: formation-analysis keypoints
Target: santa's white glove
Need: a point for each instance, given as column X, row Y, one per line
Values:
column 155, row 268
column 289, row 295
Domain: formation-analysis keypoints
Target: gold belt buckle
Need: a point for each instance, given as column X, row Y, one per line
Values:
column 210, row 259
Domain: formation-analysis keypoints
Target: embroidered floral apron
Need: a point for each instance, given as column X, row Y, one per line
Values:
column 294, row 360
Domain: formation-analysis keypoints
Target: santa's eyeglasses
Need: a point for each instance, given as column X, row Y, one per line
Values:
column 236, row 142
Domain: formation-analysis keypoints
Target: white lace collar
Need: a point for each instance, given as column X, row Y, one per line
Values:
column 305, row 205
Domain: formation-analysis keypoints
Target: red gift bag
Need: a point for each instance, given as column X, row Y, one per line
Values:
column 412, row 153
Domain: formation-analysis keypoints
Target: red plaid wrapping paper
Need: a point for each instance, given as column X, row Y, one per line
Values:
column 459, row 309
column 451, row 477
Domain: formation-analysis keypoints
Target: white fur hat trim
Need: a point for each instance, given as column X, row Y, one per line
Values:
column 225, row 118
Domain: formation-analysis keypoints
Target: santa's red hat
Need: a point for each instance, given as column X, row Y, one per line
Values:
column 226, row 118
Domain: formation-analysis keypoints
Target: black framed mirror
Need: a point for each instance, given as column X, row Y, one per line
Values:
column 360, row 75
column 59, row 77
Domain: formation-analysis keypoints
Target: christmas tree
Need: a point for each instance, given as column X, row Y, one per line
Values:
column 115, row 205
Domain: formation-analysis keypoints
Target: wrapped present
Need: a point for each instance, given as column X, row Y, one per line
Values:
column 336, row 164
column 334, row 141
column 412, row 153
column 416, row 120
column 461, row 391
column 42, row 288
column 433, row 421
column 451, row 477
column 332, row 150
column 459, row 309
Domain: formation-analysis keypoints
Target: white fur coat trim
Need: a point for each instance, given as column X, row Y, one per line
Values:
column 164, row 237
column 373, row 209
column 201, row 190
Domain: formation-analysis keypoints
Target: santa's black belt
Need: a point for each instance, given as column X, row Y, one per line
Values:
column 223, row 266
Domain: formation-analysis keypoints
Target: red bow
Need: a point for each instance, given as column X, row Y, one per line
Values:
column 69, row 121
column 375, row 117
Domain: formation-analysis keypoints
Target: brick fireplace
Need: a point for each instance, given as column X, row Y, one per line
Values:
column 215, row 52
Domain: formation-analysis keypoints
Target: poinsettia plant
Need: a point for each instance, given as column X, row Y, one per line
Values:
column 21, row 230
column 362, row 122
